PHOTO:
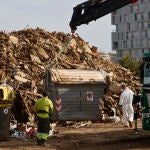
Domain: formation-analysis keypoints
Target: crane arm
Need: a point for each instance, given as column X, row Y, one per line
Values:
column 94, row 9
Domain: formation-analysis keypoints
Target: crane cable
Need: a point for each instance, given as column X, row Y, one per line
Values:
column 66, row 45
column 61, row 50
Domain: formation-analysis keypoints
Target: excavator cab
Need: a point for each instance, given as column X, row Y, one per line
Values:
column 146, row 91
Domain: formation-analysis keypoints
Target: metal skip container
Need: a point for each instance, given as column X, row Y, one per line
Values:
column 6, row 100
column 75, row 93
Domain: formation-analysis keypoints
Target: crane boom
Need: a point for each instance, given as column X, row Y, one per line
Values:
column 93, row 9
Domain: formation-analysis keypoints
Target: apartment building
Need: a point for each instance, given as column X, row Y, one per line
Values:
column 132, row 33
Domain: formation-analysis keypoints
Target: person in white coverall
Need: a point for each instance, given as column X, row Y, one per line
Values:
column 125, row 102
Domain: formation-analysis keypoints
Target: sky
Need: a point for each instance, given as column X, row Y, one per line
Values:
column 54, row 15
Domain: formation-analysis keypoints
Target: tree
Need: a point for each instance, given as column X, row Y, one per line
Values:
column 130, row 63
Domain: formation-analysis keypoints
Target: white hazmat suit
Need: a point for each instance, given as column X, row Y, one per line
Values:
column 126, row 99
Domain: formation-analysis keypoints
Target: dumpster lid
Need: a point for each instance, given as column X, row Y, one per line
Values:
column 146, row 55
column 76, row 76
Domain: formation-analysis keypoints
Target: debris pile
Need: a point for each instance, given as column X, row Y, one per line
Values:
column 26, row 55
column 22, row 130
column 75, row 124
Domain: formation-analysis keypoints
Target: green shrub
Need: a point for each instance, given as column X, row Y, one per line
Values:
column 130, row 63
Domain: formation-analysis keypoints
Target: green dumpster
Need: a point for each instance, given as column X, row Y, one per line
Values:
column 6, row 100
column 146, row 111
column 146, row 119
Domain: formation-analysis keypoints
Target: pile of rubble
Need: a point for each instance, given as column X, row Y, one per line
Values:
column 26, row 55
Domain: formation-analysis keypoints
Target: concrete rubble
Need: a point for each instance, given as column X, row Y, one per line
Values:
column 26, row 55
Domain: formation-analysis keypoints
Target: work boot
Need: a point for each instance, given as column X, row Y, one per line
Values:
column 43, row 143
column 130, row 124
column 39, row 141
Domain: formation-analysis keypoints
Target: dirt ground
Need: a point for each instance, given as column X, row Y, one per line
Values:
column 98, row 136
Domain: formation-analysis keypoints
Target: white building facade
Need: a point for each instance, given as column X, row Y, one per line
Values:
column 132, row 33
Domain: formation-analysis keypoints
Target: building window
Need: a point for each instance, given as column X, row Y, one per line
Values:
column 142, row 25
column 142, row 50
column 132, row 35
column 135, row 17
column 146, row 34
column 124, row 18
column 125, row 44
column 131, row 8
column 127, row 35
column 149, row 15
column 120, row 18
column 128, row 26
column 142, row 16
column 113, row 19
column 115, row 45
